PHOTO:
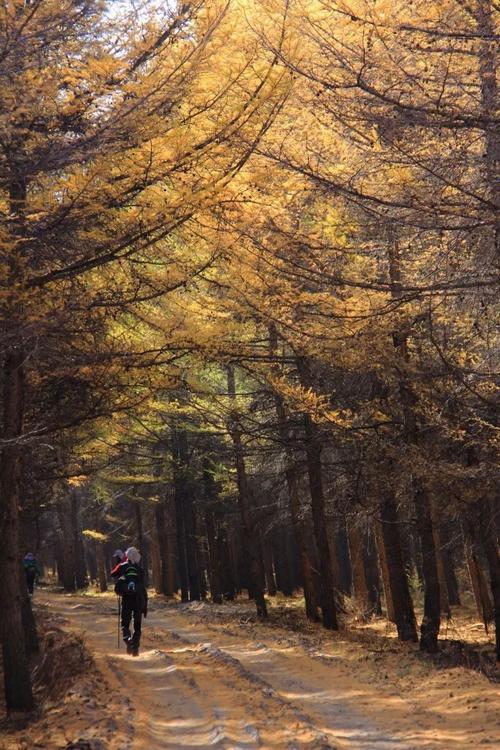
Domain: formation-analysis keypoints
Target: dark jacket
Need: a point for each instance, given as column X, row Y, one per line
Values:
column 137, row 573
column 31, row 567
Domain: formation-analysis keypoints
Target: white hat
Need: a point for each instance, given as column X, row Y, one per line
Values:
column 133, row 555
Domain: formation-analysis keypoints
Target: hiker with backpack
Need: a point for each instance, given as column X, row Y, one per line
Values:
column 130, row 587
column 31, row 571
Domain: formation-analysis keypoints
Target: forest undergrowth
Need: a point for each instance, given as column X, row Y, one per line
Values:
column 71, row 694
column 464, row 642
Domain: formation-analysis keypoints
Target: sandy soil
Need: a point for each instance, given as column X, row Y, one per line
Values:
column 211, row 677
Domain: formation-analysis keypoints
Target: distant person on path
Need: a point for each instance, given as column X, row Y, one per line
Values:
column 130, row 586
column 31, row 571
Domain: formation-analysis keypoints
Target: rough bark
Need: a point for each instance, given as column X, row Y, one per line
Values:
column 394, row 574
column 17, row 680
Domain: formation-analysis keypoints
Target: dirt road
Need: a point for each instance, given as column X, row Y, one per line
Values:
column 200, row 685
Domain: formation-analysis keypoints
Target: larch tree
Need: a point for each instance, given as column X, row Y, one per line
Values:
column 114, row 136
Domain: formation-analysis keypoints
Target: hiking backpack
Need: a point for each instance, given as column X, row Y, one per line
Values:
column 128, row 583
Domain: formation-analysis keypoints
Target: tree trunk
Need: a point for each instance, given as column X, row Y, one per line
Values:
column 339, row 551
column 170, row 576
column 449, row 564
column 394, row 575
column 479, row 587
column 267, row 555
column 141, row 540
column 283, row 564
column 214, row 557
column 215, row 566
column 303, row 540
column 490, row 546
column 67, row 542
column 156, row 562
column 245, row 504
column 299, row 522
column 201, row 555
column 357, row 555
column 372, row 571
column 80, row 567
column 443, row 587
column 315, row 473
column 484, row 11
column 29, row 622
column 161, row 546
column 227, row 565
column 182, row 562
column 17, row 680
column 192, row 551
column 384, row 568
column 101, row 567
column 429, row 629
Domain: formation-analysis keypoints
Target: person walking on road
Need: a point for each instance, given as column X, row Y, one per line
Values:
column 130, row 587
column 31, row 571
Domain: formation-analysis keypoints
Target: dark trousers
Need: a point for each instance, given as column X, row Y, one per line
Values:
column 30, row 580
column 130, row 608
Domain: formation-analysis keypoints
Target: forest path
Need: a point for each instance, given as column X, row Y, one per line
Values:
column 200, row 685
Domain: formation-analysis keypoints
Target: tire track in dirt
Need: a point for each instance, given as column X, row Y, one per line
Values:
column 167, row 707
column 187, row 695
column 314, row 691
column 204, row 685
column 272, row 721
